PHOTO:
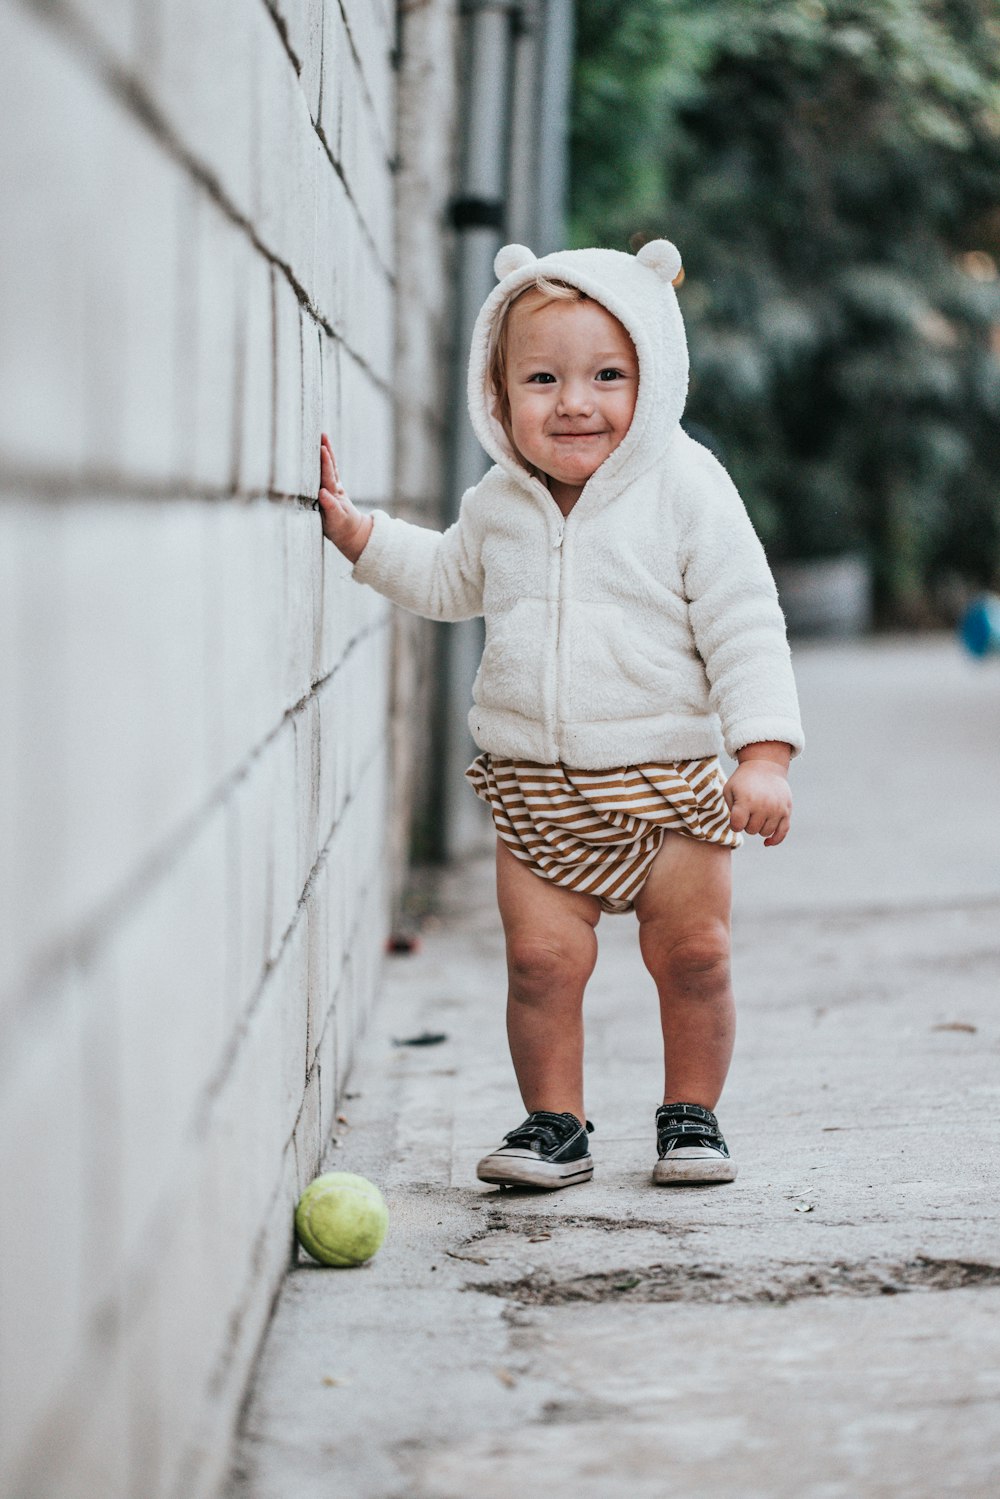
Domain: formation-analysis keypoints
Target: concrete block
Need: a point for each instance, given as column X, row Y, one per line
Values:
column 334, row 217
column 169, row 959
column 286, row 471
column 42, row 290
column 114, row 24
column 381, row 331
column 42, row 1310
column 245, row 562
column 303, row 20
column 306, row 1136
column 382, row 208
column 136, row 300
column 371, row 33
column 150, row 1455
column 351, row 123
column 344, row 1021
column 291, row 156
column 255, row 373
column 327, row 702
column 212, row 346
column 111, row 755
column 340, row 877
column 364, row 443
column 100, row 1229
column 329, row 383
column 336, row 62
column 90, row 272
column 89, row 1451
column 330, row 1098
column 304, row 544
column 273, row 1249
column 42, row 1190
column 313, row 406
column 13, row 518
column 338, row 587
column 317, row 916
column 285, row 885
column 306, row 727
column 254, row 1113
column 201, row 74
column 250, row 883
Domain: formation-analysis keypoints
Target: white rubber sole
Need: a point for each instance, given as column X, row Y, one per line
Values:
column 692, row 1166
column 522, row 1168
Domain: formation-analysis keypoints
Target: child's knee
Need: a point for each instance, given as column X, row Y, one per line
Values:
column 538, row 967
column 695, row 961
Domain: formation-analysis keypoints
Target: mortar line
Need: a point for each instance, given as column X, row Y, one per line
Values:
column 137, row 100
column 80, row 946
column 109, row 1317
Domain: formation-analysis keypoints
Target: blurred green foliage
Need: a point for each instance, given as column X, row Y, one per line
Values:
column 831, row 173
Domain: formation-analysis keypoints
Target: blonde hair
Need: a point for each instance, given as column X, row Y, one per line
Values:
column 496, row 347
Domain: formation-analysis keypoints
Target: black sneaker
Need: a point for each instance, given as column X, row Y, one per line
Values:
column 547, row 1150
column 690, row 1147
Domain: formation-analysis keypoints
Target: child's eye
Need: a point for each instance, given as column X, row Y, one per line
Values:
column 542, row 375
column 615, row 374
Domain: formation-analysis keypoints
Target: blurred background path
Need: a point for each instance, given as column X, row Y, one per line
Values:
column 827, row 1326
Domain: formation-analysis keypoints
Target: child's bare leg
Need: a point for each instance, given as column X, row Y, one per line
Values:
column 551, row 952
column 684, row 923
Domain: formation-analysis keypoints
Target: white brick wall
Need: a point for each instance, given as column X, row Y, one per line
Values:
column 197, row 253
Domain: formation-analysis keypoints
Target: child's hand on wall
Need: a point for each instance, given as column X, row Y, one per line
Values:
column 757, row 793
column 346, row 527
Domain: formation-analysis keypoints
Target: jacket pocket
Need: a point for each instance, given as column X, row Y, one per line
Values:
column 510, row 675
column 613, row 670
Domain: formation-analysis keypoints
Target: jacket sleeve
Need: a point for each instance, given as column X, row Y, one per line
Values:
column 433, row 573
column 735, row 616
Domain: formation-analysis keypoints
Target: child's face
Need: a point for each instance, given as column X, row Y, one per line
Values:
column 572, row 382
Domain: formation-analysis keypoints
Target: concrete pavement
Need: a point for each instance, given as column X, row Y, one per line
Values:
column 828, row 1327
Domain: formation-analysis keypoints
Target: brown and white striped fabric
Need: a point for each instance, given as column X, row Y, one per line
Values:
column 598, row 831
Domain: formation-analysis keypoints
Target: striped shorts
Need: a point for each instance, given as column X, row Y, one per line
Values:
column 598, row 831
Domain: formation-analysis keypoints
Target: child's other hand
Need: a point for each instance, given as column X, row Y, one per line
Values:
column 758, row 795
column 346, row 527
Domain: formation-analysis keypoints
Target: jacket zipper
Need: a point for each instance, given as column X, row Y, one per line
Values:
column 557, row 548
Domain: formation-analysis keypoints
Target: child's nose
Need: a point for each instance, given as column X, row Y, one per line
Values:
column 575, row 395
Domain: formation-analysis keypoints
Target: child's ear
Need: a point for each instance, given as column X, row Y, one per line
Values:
column 511, row 258
column 662, row 257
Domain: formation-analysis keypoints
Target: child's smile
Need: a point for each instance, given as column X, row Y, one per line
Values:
column 572, row 383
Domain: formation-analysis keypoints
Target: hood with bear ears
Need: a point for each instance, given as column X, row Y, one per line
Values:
column 638, row 291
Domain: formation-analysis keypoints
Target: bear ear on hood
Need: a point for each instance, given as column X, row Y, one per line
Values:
column 511, row 258
column 662, row 257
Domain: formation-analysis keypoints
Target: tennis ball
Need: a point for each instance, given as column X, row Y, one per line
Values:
column 341, row 1218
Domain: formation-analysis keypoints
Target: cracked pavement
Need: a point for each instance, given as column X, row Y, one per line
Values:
column 828, row 1326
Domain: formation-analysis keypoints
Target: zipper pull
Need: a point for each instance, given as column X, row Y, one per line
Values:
column 559, row 539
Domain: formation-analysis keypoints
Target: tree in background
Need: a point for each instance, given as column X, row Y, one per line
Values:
column 831, row 172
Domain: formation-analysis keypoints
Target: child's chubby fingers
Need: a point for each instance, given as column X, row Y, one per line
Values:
column 754, row 822
column 346, row 527
column 758, row 799
column 329, row 478
column 339, row 515
column 780, row 833
column 739, row 810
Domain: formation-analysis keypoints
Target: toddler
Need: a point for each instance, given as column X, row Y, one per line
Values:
column 631, row 621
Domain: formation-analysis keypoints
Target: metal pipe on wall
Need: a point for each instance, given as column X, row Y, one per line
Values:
column 517, row 64
column 553, row 126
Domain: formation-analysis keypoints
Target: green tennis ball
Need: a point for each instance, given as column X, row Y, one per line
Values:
column 341, row 1219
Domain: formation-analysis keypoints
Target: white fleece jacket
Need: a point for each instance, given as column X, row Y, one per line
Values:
column 633, row 628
